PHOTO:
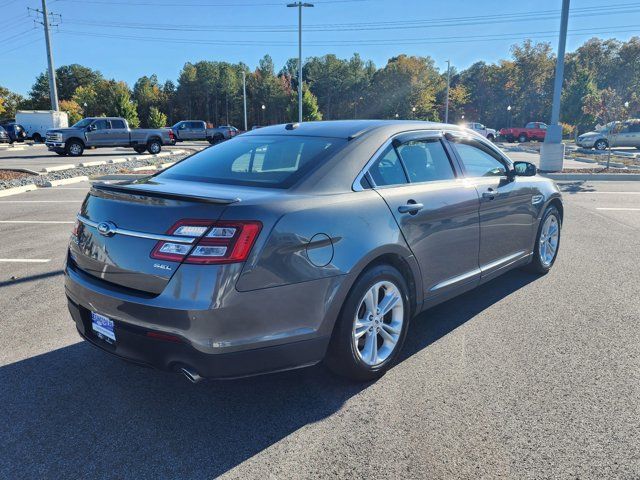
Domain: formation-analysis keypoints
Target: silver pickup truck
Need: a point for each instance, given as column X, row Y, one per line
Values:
column 197, row 130
column 106, row 132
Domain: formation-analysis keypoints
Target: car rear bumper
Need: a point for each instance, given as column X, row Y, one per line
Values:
column 133, row 344
column 247, row 333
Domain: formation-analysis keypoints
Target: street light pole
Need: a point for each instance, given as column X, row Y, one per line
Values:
column 552, row 150
column 244, row 98
column 299, row 5
column 446, row 102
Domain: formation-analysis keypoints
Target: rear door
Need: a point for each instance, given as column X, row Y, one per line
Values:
column 507, row 212
column 119, row 134
column 436, row 210
column 197, row 131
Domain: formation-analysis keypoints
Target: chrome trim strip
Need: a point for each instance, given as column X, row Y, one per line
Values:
column 133, row 233
column 459, row 278
column 503, row 261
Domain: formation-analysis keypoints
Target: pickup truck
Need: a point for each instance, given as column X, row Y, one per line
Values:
column 106, row 132
column 197, row 130
column 488, row 133
column 531, row 131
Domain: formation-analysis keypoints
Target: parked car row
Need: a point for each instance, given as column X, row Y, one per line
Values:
column 613, row 134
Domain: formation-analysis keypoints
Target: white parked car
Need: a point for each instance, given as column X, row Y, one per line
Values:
column 37, row 122
column 488, row 133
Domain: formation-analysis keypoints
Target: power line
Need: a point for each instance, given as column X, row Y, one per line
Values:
column 235, row 5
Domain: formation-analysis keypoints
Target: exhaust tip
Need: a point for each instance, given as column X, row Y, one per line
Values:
column 191, row 375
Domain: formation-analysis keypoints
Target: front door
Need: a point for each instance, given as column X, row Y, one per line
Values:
column 436, row 211
column 99, row 136
column 507, row 212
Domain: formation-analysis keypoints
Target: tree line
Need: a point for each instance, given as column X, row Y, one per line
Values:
column 602, row 82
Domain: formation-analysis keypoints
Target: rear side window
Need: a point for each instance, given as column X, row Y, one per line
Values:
column 196, row 125
column 426, row 161
column 265, row 161
column 387, row 170
column 117, row 124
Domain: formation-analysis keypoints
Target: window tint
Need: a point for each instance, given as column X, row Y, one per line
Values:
column 426, row 161
column 387, row 170
column 196, row 125
column 102, row 124
column 267, row 161
column 634, row 127
column 479, row 161
column 117, row 124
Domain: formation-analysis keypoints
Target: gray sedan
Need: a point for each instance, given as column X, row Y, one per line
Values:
column 298, row 243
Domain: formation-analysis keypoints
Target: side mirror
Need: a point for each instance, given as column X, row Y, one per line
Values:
column 524, row 169
column 91, row 127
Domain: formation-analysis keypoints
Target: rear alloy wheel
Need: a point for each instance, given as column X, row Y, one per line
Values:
column 522, row 138
column 601, row 144
column 216, row 139
column 37, row 138
column 154, row 147
column 547, row 242
column 372, row 325
column 74, row 148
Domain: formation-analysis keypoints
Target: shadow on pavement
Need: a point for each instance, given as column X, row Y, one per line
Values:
column 576, row 187
column 31, row 278
column 76, row 412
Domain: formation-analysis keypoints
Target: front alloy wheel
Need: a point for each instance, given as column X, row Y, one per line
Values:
column 601, row 144
column 547, row 241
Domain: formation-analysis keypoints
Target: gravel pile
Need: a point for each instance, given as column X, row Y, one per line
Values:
column 108, row 169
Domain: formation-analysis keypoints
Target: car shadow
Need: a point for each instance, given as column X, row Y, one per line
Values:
column 580, row 186
column 78, row 413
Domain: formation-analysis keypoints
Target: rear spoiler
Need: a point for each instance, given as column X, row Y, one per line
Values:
column 131, row 189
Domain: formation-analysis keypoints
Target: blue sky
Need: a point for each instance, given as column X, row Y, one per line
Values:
column 126, row 39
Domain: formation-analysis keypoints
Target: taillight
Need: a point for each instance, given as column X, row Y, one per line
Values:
column 171, row 135
column 76, row 227
column 217, row 242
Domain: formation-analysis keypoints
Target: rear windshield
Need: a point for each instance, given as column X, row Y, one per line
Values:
column 265, row 161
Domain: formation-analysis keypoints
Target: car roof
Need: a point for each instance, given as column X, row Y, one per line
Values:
column 348, row 129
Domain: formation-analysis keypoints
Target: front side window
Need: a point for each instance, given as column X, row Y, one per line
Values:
column 387, row 169
column 530, row 125
column 478, row 160
column 275, row 161
column 426, row 161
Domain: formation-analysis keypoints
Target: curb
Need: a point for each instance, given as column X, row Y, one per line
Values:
column 92, row 164
column 166, row 165
column 66, row 181
column 595, row 177
column 58, row 168
column 144, row 169
column 117, row 160
column 22, row 170
column 15, row 190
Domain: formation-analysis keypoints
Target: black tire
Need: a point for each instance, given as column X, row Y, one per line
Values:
column 490, row 137
column 522, row 138
column 537, row 265
column 140, row 149
column 74, row 148
column 215, row 139
column 601, row 144
column 154, row 146
column 342, row 357
column 37, row 138
column 510, row 139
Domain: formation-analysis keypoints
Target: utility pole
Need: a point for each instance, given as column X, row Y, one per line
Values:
column 552, row 150
column 299, row 5
column 53, row 91
column 244, row 97
column 446, row 102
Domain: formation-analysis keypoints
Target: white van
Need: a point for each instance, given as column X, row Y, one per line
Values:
column 37, row 122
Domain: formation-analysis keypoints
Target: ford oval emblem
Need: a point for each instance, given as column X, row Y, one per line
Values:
column 108, row 229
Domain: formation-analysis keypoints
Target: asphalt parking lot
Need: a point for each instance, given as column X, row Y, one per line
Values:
column 36, row 156
column 525, row 377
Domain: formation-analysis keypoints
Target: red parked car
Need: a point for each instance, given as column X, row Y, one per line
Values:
column 531, row 131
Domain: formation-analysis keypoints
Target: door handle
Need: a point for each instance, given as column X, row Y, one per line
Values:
column 410, row 207
column 490, row 194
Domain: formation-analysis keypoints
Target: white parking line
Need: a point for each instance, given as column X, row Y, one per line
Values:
column 612, row 209
column 24, row 260
column 36, row 221
column 41, row 201
column 612, row 193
